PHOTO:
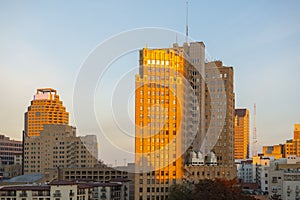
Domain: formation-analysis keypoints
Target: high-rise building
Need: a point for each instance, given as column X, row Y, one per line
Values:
column 219, row 115
column 57, row 146
column 216, row 156
column 184, row 121
column 45, row 108
column 241, row 133
column 169, row 105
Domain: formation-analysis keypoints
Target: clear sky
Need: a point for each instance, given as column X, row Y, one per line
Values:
column 44, row 43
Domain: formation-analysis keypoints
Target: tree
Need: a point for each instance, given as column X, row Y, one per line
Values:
column 180, row 192
column 208, row 189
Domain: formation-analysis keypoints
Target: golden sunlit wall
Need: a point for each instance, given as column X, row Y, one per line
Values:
column 297, row 131
column 45, row 108
column 158, row 113
column 273, row 151
column 292, row 147
column 241, row 134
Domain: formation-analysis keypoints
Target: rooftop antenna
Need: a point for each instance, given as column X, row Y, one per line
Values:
column 187, row 22
column 254, row 139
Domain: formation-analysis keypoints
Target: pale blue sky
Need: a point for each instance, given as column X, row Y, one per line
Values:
column 44, row 43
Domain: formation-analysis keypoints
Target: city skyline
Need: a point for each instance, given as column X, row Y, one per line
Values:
column 43, row 49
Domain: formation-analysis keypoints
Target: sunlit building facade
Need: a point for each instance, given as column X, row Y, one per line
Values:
column 241, row 133
column 45, row 108
column 169, row 103
column 297, row 131
column 290, row 148
column 275, row 151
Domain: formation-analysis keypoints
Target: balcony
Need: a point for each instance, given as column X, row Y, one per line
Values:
column 23, row 194
column 103, row 196
column 274, row 190
column 57, row 194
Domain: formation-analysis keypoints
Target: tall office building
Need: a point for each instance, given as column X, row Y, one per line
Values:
column 215, row 158
column 219, row 112
column 241, row 133
column 45, row 108
column 58, row 146
column 169, row 104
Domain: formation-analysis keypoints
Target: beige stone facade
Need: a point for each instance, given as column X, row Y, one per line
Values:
column 56, row 146
column 201, row 172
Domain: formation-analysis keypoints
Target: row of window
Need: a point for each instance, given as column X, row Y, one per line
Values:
column 214, row 76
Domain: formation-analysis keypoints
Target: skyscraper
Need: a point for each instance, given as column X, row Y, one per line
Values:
column 241, row 133
column 215, row 157
column 45, row 108
column 219, row 111
column 169, row 104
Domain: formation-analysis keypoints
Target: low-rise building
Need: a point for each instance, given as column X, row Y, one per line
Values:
column 245, row 171
column 101, row 174
column 285, row 182
column 71, row 190
column 8, row 149
column 276, row 151
column 262, row 165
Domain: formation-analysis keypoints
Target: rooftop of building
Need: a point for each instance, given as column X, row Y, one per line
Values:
column 63, row 182
column 80, row 185
column 45, row 90
column 98, row 184
column 6, row 138
column 241, row 112
column 27, row 178
column 25, row 187
column 120, row 180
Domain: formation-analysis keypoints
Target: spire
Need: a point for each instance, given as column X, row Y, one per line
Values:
column 186, row 22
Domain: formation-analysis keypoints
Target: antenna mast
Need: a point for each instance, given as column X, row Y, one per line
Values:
column 254, row 139
column 187, row 22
